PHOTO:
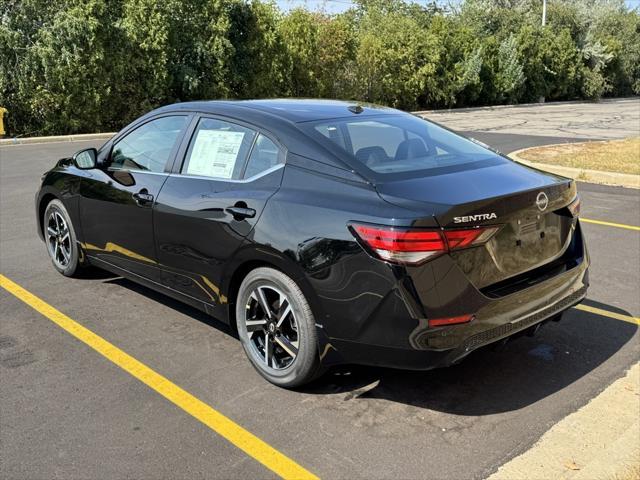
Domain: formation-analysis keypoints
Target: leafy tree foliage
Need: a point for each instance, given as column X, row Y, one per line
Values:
column 88, row 65
column 510, row 75
column 259, row 64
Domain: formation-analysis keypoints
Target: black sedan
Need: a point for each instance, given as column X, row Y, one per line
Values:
column 324, row 232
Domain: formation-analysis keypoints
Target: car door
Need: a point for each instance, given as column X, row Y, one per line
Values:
column 211, row 203
column 117, row 198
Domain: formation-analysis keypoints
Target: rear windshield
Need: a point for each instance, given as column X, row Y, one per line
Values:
column 400, row 146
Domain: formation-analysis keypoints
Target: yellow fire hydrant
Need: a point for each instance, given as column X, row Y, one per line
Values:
column 2, row 112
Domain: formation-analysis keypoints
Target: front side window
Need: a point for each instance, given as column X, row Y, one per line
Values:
column 393, row 146
column 149, row 146
column 218, row 149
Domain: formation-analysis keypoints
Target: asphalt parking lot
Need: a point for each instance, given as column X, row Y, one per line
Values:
column 555, row 122
column 68, row 412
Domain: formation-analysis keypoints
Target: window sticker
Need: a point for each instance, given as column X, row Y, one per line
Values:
column 214, row 153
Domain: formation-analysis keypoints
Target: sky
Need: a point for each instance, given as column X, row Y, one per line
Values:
column 337, row 6
column 330, row 6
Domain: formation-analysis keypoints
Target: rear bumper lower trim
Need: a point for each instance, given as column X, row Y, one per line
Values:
column 504, row 330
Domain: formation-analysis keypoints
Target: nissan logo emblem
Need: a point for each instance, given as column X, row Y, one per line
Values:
column 542, row 201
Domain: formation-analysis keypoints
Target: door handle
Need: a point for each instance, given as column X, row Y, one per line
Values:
column 240, row 213
column 142, row 197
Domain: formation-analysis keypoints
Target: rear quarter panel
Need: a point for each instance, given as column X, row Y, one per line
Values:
column 305, row 225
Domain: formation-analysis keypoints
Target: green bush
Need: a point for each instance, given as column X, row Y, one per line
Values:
column 69, row 66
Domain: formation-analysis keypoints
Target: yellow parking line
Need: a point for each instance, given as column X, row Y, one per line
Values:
column 607, row 313
column 223, row 426
column 610, row 224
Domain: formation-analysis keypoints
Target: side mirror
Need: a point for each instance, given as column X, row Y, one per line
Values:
column 86, row 159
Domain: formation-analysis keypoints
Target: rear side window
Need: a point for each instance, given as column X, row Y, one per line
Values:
column 149, row 146
column 395, row 146
column 218, row 149
column 264, row 155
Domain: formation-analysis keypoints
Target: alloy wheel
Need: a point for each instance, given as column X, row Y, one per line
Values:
column 58, row 239
column 271, row 327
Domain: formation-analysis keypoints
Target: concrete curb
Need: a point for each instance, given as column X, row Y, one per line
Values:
column 525, row 105
column 57, row 138
column 616, row 459
column 581, row 174
column 600, row 440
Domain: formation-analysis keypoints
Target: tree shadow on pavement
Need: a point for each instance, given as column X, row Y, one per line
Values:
column 487, row 382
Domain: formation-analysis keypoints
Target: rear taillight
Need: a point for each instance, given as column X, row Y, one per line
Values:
column 574, row 207
column 415, row 246
column 468, row 237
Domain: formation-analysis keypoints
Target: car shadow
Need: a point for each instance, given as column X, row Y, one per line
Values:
column 93, row 273
column 491, row 381
column 176, row 305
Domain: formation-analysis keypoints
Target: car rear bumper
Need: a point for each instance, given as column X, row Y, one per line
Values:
column 394, row 336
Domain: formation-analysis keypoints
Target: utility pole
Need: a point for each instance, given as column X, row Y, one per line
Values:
column 544, row 22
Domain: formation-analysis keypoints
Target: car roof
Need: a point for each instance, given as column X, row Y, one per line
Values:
column 291, row 109
column 281, row 117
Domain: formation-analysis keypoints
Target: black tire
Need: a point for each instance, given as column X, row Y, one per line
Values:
column 70, row 267
column 305, row 365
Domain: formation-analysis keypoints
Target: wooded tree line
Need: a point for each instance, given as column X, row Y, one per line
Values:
column 69, row 66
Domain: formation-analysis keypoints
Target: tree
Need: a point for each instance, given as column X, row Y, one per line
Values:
column 201, row 51
column 259, row 60
column 88, row 65
column 62, row 74
column 336, row 61
column 299, row 31
column 144, row 81
column 53, row 74
column 396, row 60
column 461, row 63
column 510, row 76
column 20, row 22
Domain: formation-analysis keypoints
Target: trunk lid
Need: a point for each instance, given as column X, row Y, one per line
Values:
column 527, row 204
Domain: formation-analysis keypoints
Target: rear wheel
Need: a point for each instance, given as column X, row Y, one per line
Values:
column 60, row 238
column 277, row 328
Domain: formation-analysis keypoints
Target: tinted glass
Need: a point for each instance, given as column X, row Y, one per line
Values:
column 333, row 133
column 264, row 155
column 218, row 149
column 148, row 147
column 394, row 145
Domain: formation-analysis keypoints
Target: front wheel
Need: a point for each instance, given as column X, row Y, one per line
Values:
column 277, row 328
column 61, row 239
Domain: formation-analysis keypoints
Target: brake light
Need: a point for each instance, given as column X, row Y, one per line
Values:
column 415, row 246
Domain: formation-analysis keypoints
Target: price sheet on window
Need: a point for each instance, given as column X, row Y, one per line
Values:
column 214, row 153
